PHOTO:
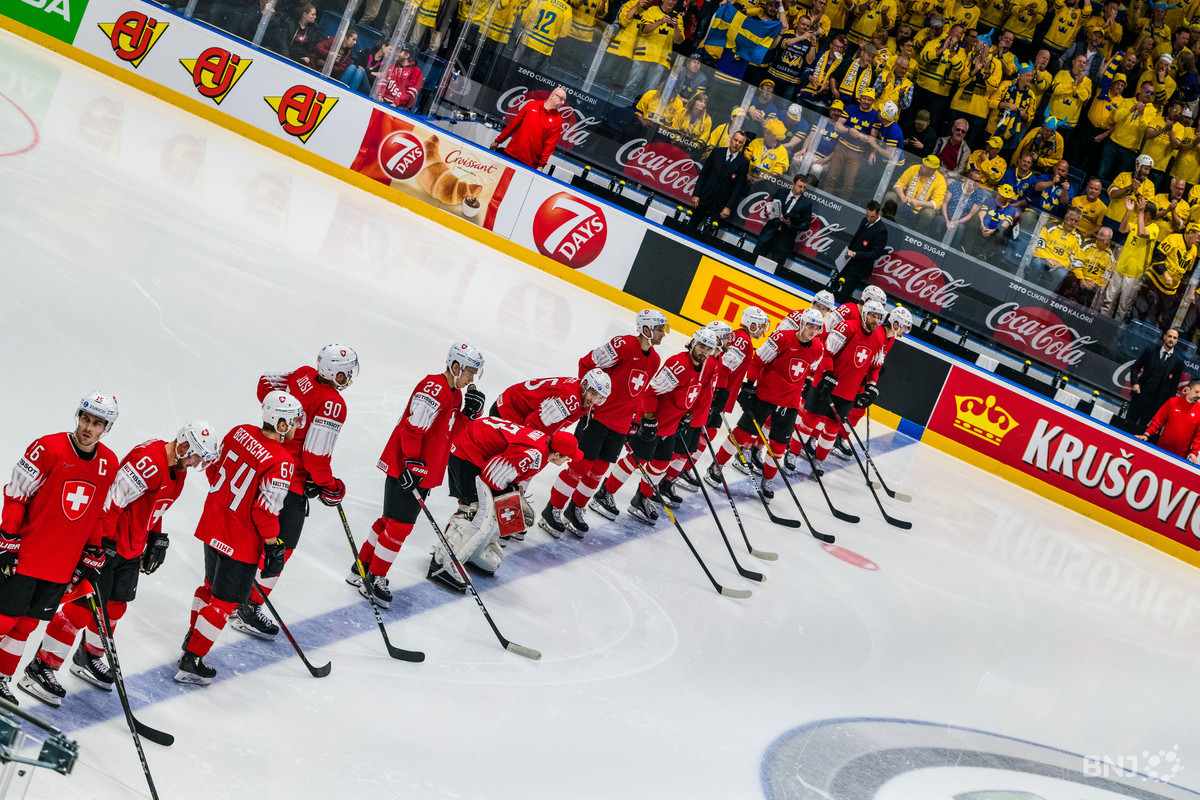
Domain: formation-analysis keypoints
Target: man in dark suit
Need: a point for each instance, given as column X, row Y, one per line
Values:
column 866, row 246
column 721, row 183
column 1154, row 378
column 778, row 238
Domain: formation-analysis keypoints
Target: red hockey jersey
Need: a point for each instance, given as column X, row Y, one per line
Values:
column 857, row 356
column 734, row 363
column 246, row 492
column 425, row 429
column 708, row 385
column 1177, row 424
column 506, row 453
column 311, row 449
column 674, row 391
column 53, row 502
column 783, row 364
column 630, row 371
column 145, row 487
column 545, row 404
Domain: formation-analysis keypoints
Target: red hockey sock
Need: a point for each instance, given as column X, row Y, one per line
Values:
column 675, row 468
column 388, row 546
column 209, row 625
column 566, row 483
column 91, row 637
column 620, row 473
column 267, row 584
column 12, row 646
column 200, row 599
column 61, row 632
column 589, row 483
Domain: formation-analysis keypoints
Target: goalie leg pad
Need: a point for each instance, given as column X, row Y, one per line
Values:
column 487, row 558
column 467, row 536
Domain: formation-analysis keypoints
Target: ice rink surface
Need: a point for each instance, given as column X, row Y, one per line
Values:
column 1000, row 650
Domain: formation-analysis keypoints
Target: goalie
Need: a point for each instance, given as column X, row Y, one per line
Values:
column 489, row 460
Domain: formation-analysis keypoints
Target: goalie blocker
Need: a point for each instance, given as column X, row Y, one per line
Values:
column 488, row 461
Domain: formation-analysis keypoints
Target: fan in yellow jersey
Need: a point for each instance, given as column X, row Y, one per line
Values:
column 963, row 12
column 1012, row 106
column 990, row 163
column 766, row 153
column 1064, row 26
column 1163, row 138
column 499, row 30
column 1186, row 165
column 1107, row 24
column 1025, row 16
column 1173, row 258
column 1086, row 281
column 893, row 84
column 940, row 65
column 871, row 15
column 693, row 120
column 1090, row 207
column 545, row 21
column 978, row 82
column 1160, row 78
column 1069, row 92
column 618, row 60
column 1140, row 235
column 915, row 199
column 427, row 13
column 1044, row 143
column 718, row 137
column 660, row 29
column 1136, row 183
column 1134, row 115
column 1054, row 251
column 651, row 107
column 579, row 46
column 1173, row 210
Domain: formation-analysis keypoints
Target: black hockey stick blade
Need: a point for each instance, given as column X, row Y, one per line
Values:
column 816, row 534
column 880, row 484
column 160, row 738
column 888, row 518
column 837, row 512
column 751, row 549
column 316, row 672
column 400, row 654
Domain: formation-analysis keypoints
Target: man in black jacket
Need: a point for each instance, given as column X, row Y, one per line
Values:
column 1154, row 378
column 866, row 246
column 778, row 238
column 722, row 182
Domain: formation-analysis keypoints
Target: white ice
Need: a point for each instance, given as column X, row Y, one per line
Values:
column 162, row 259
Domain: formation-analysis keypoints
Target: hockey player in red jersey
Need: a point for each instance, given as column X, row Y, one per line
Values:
column 148, row 481
column 48, row 532
column 415, row 459
column 856, row 348
column 673, row 391
column 687, row 440
column 822, row 301
column 551, row 404
column 734, row 363
column 319, row 391
column 896, row 325
column 771, row 394
column 630, row 362
column 240, row 526
column 489, row 459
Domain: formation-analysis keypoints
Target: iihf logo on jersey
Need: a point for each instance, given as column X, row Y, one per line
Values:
column 300, row 110
column 569, row 230
column 401, row 155
column 76, row 496
column 216, row 72
column 132, row 35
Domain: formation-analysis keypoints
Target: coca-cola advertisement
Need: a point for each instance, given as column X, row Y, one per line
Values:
column 1133, row 487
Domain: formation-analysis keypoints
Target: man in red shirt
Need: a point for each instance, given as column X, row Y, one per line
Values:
column 240, row 526
column 311, row 450
column 415, row 459
column 402, row 86
column 48, row 532
column 1177, row 424
column 148, row 482
column 535, row 130
column 489, row 459
column 629, row 362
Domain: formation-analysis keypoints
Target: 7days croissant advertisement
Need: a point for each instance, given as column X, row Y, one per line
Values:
column 435, row 169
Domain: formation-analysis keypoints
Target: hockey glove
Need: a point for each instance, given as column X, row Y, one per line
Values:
column 473, row 402
column 89, row 566
column 648, row 429
column 9, row 545
column 414, row 472
column 311, row 489
column 747, row 395
column 867, row 397
column 825, row 389
column 273, row 558
column 334, row 493
column 156, row 552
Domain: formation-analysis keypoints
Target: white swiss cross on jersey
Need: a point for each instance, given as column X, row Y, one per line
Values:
column 861, row 354
column 693, row 392
column 796, row 368
column 637, row 381
column 75, row 498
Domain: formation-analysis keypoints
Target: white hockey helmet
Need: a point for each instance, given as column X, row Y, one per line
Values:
column 337, row 358
column 282, row 406
column 873, row 292
column 901, row 318
column 755, row 316
column 872, row 307
column 825, row 298
column 707, row 337
column 99, row 405
column 810, row 316
column 201, row 439
column 598, row 380
column 723, row 330
column 650, row 318
column 466, row 356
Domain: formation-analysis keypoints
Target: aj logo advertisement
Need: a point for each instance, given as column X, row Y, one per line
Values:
column 133, row 35
column 301, row 109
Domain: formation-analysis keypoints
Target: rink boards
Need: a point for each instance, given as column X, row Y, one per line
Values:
column 1018, row 435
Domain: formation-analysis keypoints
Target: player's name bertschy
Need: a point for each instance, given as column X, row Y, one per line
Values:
column 251, row 444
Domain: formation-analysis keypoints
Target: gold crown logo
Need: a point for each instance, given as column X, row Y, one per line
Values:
column 983, row 418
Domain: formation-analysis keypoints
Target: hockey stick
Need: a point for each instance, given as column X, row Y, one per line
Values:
column 901, row 496
column 512, row 647
column 745, row 573
column 741, row 454
column 725, row 590
column 762, row 554
column 899, row 523
column 816, row 473
column 397, row 653
column 111, row 653
column 161, row 738
column 316, row 672
column 827, row 538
